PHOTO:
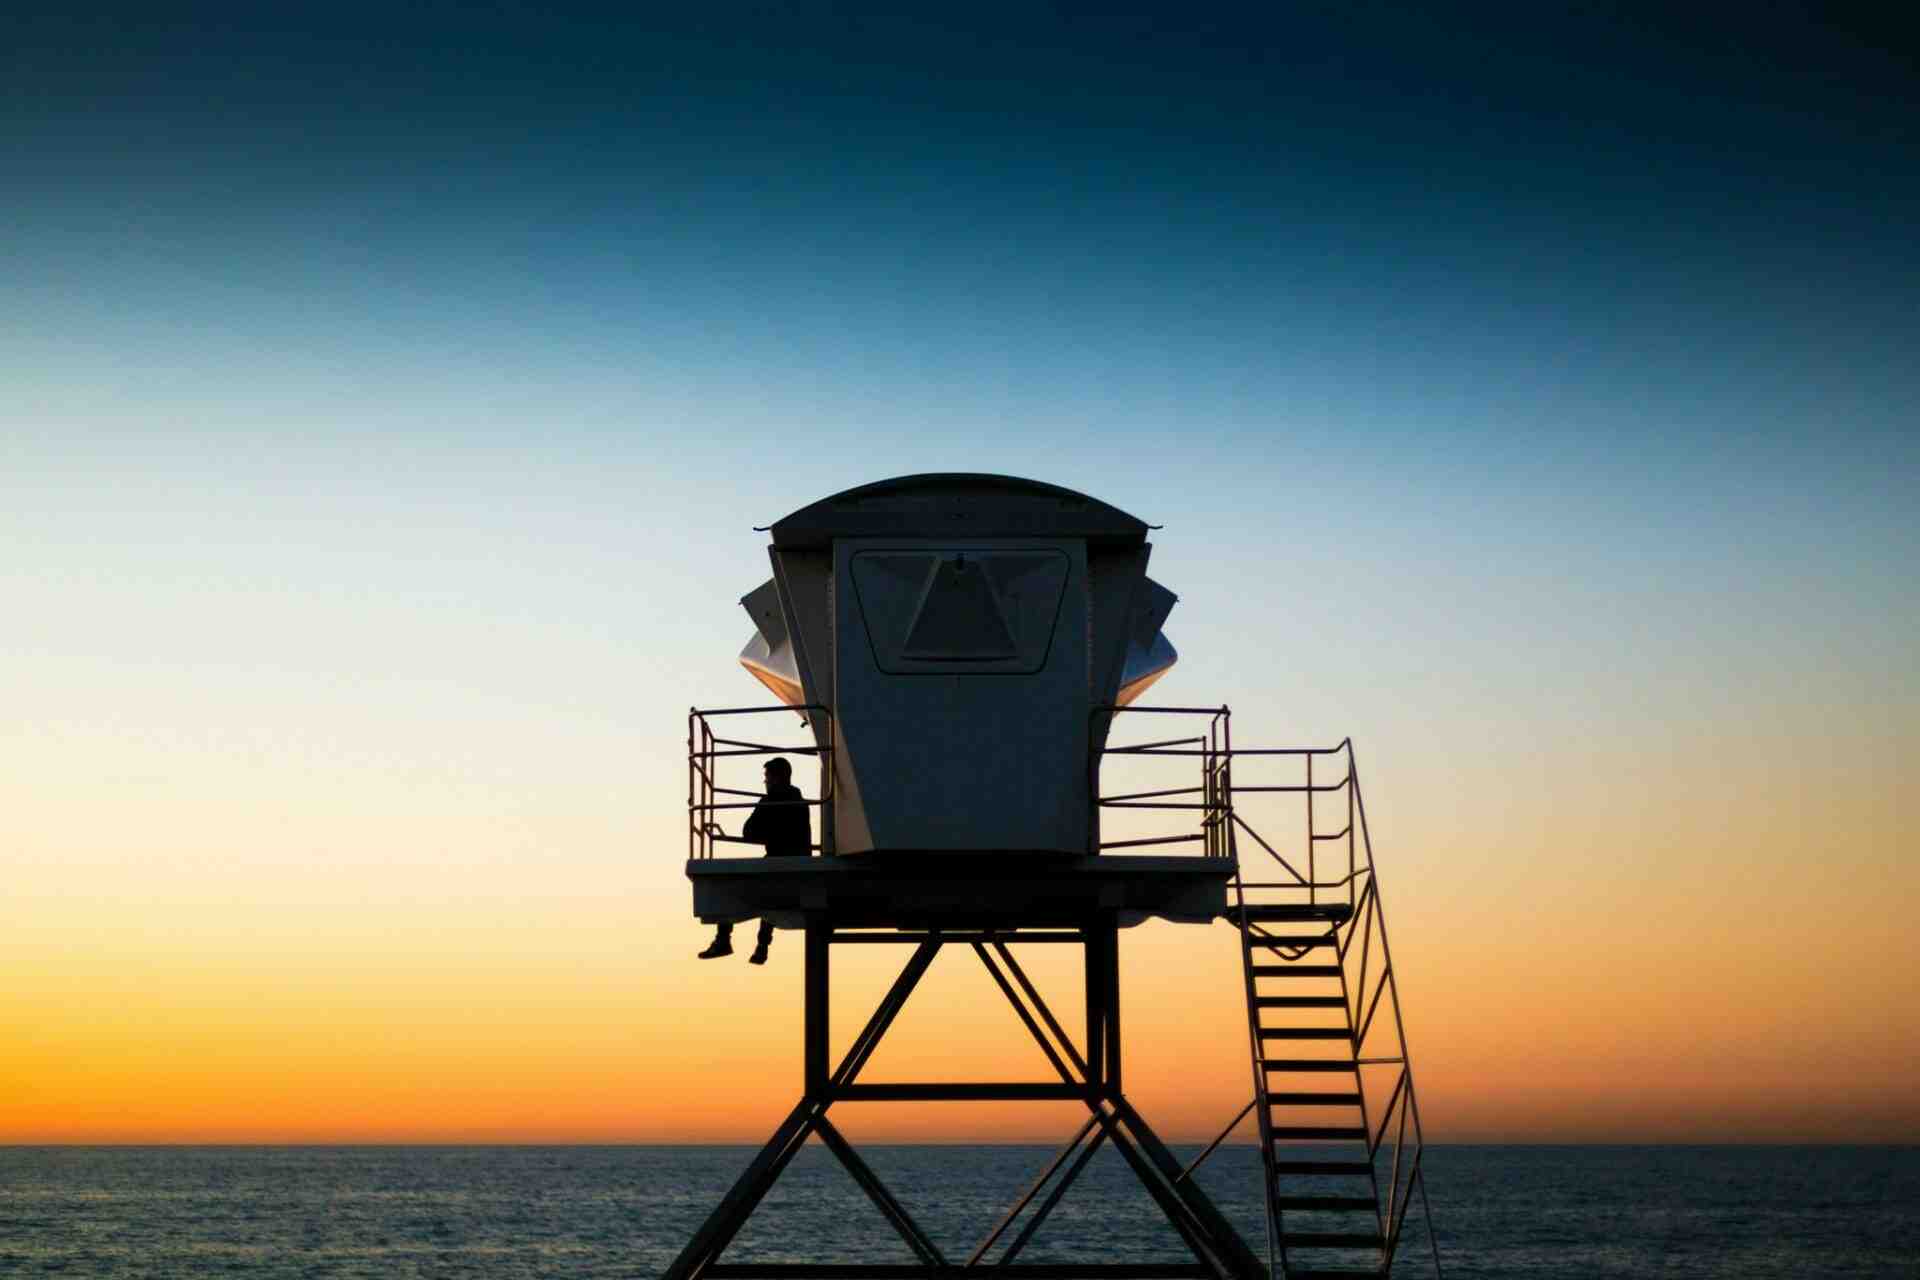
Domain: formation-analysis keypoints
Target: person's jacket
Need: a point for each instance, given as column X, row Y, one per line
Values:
column 780, row 822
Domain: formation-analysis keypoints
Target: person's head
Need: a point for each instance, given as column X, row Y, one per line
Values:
column 778, row 773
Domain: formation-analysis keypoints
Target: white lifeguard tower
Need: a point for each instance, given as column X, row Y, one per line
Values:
column 960, row 648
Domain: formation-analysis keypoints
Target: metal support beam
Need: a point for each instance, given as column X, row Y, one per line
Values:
column 1217, row 1251
column 819, row 993
column 883, row 1016
column 1103, row 1005
column 1189, row 1231
column 898, row 936
column 1213, row 1146
column 1006, row 1220
column 1053, row 1198
column 1243, row 1259
column 917, row 1240
column 718, row 1231
column 963, row 1091
column 1096, row 1017
column 1211, row 1238
column 1040, row 1006
column 1019, row 1007
column 910, row 1271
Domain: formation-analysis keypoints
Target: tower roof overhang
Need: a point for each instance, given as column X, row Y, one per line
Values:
column 959, row 504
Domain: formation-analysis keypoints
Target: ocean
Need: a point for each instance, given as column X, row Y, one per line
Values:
column 1743, row 1212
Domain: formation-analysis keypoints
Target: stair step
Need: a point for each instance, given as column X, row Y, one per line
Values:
column 1275, row 942
column 1336, row 912
column 1299, row 1002
column 1309, row 1064
column 1323, row 1168
column 1296, row 971
column 1331, row 1240
column 1318, row 1133
column 1313, row 1099
column 1305, row 1033
column 1327, row 1204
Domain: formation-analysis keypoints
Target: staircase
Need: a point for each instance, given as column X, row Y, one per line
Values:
column 1323, row 1197
column 1333, row 1088
column 1339, row 1124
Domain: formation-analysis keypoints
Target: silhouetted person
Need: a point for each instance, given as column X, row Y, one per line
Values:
column 780, row 823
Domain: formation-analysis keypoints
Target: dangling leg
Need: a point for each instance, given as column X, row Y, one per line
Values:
column 722, row 944
column 759, row 955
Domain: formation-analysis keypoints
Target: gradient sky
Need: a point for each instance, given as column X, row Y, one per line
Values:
column 386, row 399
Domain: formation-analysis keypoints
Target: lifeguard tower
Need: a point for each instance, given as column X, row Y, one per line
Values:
column 961, row 649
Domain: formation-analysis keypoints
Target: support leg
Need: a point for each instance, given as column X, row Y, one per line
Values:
column 1218, row 1251
column 1096, row 1016
column 818, row 992
column 718, row 1231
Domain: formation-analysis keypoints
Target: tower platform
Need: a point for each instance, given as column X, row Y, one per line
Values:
column 951, row 890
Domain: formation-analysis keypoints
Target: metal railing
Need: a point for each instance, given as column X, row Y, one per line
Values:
column 1341, row 855
column 705, row 792
column 1207, row 798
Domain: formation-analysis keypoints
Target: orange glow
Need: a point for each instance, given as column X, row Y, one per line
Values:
column 1573, row 969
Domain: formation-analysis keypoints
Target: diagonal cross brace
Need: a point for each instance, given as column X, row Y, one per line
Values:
column 806, row 1119
column 717, row 1232
column 1053, row 1198
column 918, row 1240
column 1201, row 1225
column 1214, row 1243
column 1007, row 1219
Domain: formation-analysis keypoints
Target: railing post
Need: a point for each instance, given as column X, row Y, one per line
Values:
column 1095, row 746
column 1353, row 785
column 1226, row 765
column 1206, row 759
column 1212, row 797
column 829, row 768
column 1313, row 846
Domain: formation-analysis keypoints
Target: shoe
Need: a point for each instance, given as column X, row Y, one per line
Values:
column 717, row 948
column 759, row 956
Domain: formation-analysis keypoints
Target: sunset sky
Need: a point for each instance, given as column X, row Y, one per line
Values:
column 387, row 401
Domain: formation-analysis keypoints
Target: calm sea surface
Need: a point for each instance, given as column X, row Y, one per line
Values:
column 625, row 1211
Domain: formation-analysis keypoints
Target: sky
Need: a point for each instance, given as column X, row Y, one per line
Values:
column 387, row 402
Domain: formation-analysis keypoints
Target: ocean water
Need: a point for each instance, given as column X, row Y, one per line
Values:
column 512, row 1212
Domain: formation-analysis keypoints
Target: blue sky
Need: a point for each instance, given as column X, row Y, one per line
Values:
column 1612, row 317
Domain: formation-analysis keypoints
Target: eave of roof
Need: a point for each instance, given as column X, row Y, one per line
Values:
column 962, row 504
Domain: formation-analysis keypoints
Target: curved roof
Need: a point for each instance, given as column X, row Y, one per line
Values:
column 957, row 503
